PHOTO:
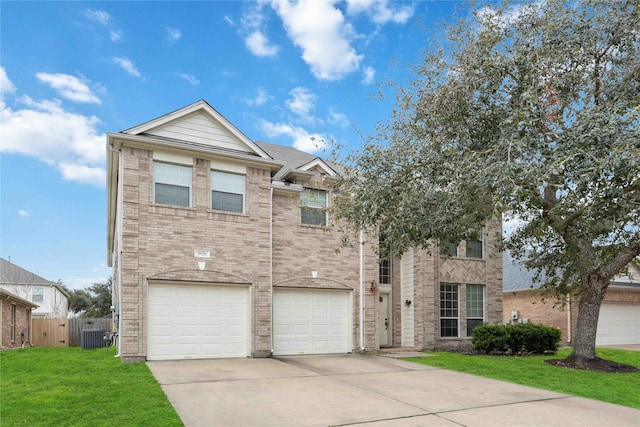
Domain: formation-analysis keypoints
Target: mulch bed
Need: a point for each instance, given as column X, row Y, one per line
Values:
column 597, row 364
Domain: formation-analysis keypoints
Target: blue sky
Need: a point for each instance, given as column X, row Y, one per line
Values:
column 280, row 71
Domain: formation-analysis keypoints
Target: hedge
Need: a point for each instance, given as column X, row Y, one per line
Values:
column 515, row 339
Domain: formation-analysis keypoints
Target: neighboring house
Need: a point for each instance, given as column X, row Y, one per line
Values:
column 15, row 320
column 220, row 247
column 51, row 298
column 619, row 321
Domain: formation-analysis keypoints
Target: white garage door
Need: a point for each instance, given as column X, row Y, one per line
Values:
column 188, row 321
column 618, row 324
column 310, row 322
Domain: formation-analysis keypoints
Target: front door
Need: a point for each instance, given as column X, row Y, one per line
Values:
column 384, row 319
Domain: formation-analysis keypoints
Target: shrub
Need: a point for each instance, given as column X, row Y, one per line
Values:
column 515, row 339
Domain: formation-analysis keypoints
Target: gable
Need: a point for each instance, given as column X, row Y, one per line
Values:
column 201, row 124
column 318, row 165
column 200, row 129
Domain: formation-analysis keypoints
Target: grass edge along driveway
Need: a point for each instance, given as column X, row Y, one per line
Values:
column 621, row 389
column 74, row 387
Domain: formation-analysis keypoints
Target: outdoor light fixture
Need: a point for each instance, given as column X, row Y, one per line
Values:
column 201, row 265
column 314, row 274
column 407, row 303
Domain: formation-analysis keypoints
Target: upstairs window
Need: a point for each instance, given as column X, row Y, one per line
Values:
column 449, row 249
column 314, row 207
column 227, row 191
column 172, row 184
column 37, row 294
column 474, row 247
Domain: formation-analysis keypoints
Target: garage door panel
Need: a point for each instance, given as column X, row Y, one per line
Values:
column 204, row 321
column 618, row 324
column 305, row 322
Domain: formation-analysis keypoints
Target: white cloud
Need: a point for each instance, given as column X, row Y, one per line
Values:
column 24, row 213
column 68, row 141
column 369, row 75
column 104, row 19
column 99, row 16
column 127, row 65
column 5, row 84
column 115, row 35
column 253, row 30
column 189, row 78
column 319, row 29
column 380, row 12
column 259, row 45
column 94, row 175
column 337, row 118
column 69, row 87
column 261, row 98
column 302, row 101
column 82, row 282
column 302, row 140
column 488, row 16
column 174, row 35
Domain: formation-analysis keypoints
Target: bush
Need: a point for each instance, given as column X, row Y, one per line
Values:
column 515, row 339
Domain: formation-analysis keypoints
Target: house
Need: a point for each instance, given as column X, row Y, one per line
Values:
column 619, row 321
column 222, row 246
column 15, row 320
column 51, row 298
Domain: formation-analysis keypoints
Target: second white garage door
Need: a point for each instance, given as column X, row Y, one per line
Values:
column 187, row 321
column 310, row 321
column 618, row 324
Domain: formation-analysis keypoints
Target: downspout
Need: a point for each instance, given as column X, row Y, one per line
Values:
column 569, row 318
column 271, row 262
column 361, row 290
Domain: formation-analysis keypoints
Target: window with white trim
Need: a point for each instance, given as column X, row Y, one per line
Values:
column 384, row 260
column 37, row 294
column 172, row 184
column 474, row 247
column 13, row 322
column 314, row 207
column 475, row 307
column 449, row 312
column 227, row 191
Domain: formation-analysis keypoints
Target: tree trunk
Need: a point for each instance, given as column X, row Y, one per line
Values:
column 584, row 345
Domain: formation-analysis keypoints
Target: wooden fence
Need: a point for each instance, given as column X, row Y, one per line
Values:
column 50, row 333
column 64, row 332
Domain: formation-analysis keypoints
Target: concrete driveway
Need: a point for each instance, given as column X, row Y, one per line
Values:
column 363, row 390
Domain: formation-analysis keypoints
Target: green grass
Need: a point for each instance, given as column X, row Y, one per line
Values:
column 621, row 389
column 74, row 387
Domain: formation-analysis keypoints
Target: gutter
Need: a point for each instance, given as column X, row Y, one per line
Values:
column 569, row 318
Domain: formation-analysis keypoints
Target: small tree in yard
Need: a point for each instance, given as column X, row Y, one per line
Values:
column 530, row 110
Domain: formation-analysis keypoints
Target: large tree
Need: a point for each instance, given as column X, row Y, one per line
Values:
column 94, row 301
column 100, row 299
column 527, row 109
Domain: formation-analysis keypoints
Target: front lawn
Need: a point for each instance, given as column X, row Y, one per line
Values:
column 75, row 387
column 621, row 389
